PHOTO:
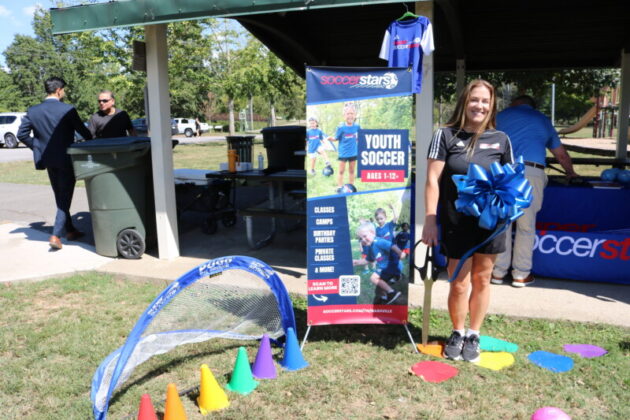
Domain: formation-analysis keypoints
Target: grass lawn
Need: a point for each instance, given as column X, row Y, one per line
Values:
column 209, row 156
column 194, row 156
column 56, row 332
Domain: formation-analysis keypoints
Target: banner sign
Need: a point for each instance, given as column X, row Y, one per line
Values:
column 583, row 234
column 325, row 85
column 359, row 194
column 590, row 256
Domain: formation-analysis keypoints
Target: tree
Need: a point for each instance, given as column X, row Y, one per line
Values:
column 211, row 63
column 574, row 87
column 83, row 60
column 282, row 86
column 223, row 64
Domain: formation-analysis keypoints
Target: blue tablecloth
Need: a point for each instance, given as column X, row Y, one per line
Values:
column 583, row 233
column 584, row 209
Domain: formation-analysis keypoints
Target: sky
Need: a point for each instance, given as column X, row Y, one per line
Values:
column 16, row 17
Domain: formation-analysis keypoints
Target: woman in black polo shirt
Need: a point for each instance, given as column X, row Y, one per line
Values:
column 468, row 137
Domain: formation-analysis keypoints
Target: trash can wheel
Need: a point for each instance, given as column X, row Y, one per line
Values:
column 130, row 244
column 209, row 226
column 228, row 219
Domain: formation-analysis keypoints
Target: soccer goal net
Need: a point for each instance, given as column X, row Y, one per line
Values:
column 231, row 297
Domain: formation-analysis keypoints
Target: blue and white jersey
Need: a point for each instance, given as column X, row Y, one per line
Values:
column 314, row 138
column 404, row 45
column 386, row 231
column 379, row 252
column 348, row 137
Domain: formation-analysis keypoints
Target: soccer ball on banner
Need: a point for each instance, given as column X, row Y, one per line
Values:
column 328, row 171
column 347, row 189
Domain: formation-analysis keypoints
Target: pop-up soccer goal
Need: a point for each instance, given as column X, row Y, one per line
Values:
column 231, row 297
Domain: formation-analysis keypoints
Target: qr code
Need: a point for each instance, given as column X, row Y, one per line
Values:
column 349, row 285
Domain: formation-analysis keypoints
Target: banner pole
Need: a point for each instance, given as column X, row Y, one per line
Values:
column 305, row 336
column 426, row 310
column 413, row 343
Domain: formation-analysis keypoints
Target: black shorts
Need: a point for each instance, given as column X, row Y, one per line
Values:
column 388, row 272
column 349, row 159
column 458, row 238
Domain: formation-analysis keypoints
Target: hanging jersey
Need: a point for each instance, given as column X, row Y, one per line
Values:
column 314, row 137
column 404, row 45
column 348, row 137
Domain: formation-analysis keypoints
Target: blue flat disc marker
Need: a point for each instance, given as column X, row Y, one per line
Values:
column 551, row 361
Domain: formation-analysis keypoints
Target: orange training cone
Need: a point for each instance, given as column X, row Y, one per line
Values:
column 146, row 410
column 174, row 409
column 211, row 395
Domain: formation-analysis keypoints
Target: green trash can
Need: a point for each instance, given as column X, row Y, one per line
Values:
column 119, row 185
column 242, row 145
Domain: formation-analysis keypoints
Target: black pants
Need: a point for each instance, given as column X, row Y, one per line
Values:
column 62, row 181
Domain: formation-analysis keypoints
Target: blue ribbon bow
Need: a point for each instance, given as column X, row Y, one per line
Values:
column 495, row 197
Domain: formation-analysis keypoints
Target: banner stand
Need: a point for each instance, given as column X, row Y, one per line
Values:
column 413, row 343
column 359, row 196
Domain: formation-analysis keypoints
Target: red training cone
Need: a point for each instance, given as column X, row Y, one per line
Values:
column 263, row 367
column 146, row 410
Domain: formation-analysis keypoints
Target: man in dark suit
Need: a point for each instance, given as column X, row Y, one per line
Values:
column 53, row 124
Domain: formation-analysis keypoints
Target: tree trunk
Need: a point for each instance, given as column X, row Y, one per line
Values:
column 273, row 115
column 231, row 116
column 251, row 112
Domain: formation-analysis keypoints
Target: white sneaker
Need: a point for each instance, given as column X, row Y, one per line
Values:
column 496, row 280
column 523, row 282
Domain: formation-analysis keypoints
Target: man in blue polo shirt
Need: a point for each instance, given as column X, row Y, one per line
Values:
column 530, row 132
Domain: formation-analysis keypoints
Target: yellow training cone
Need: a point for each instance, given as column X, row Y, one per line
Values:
column 174, row 409
column 211, row 395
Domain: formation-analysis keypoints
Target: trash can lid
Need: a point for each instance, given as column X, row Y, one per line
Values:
column 110, row 145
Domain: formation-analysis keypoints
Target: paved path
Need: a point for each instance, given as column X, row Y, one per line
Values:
column 12, row 155
column 27, row 212
column 603, row 147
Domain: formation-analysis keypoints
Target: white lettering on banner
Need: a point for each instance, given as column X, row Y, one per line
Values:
column 324, row 236
column 566, row 245
column 386, row 81
column 581, row 243
column 390, row 158
column 383, row 141
column 324, row 254
column 324, row 210
column 327, row 221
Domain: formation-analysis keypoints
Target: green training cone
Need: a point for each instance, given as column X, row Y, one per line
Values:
column 242, row 380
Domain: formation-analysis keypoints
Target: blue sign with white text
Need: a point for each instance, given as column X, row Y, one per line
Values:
column 333, row 85
column 383, row 155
